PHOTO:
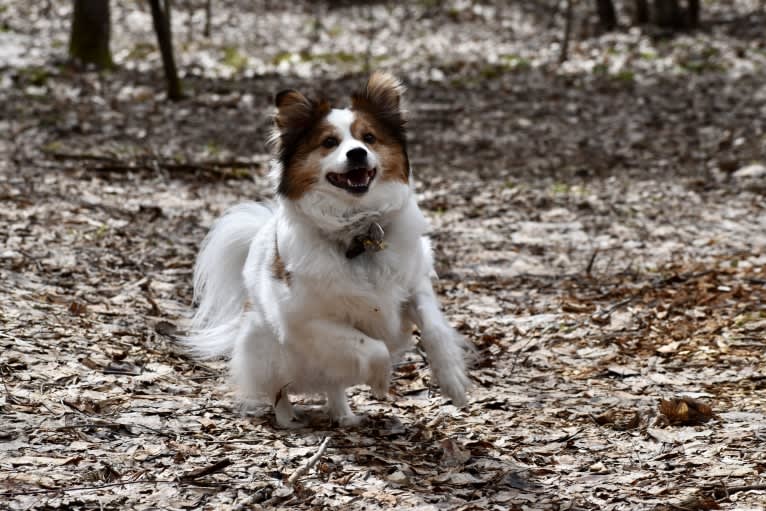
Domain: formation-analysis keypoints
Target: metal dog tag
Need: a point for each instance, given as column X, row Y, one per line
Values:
column 372, row 241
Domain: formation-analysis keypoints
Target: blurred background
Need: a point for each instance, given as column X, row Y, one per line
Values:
column 642, row 86
column 594, row 173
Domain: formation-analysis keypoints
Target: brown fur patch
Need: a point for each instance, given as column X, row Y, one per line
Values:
column 303, row 171
column 384, row 91
column 278, row 268
column 296, row 122
column 299, row 177
column 394, row 165
column 379, row 103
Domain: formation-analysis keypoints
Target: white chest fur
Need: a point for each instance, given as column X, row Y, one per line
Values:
column 367, row 292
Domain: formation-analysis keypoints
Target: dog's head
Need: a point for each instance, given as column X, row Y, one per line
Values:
column 343, row 161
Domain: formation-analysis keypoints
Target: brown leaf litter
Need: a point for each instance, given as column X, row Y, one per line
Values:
column 685, row 411
column 592, row 240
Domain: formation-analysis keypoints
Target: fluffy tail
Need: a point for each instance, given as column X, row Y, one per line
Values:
column 219, row 289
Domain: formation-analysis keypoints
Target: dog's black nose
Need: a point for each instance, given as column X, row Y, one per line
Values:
column 357, row 155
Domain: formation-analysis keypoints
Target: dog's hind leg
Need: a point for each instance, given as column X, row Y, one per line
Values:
column 261, row 370
column 338, row 409
column 285, row 413
column 332, row 356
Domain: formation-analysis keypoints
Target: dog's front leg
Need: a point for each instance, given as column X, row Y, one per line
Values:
column 334, row 356
column 444, row 346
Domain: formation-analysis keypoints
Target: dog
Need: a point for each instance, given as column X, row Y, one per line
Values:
column 319, row 291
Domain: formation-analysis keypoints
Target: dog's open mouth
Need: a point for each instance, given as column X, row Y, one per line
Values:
column 356, row 180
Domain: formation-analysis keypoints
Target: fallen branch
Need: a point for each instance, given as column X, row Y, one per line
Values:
column 204, row 471
column 85, row 488
column 310, row 463
column 110, row 163
column 721, row 491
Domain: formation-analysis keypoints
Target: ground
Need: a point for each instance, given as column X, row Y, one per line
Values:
column 600, row 233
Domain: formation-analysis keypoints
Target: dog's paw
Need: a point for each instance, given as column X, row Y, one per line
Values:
column 445, row 349
column 286, row 415
column 349, row 420
column 292, row 423
column 454, row 383
column 378, row 369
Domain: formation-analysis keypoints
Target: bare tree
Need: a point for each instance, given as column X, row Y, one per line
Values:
column 607, row 16
column 161, row 19
column 208, row 15
column 567, row 32
column 667, row 13
column 641, row 15
column 693, row 13
column 89, row 35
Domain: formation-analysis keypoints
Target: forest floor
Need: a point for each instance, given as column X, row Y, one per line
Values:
column 600, row 230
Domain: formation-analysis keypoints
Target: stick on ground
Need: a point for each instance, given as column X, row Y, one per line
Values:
column 310, row 463
column 202, row 472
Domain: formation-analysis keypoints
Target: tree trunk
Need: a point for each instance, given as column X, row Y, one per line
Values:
column 89, row 37
column 208, row 15
column 606, row 14
column 641, row 16
column 693, row 14
column 567, row 33
column 667, row 13
column 161, row 19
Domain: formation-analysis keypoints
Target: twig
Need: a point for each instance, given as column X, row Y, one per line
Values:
column 98, row 423
column 592, row 260
column 109, row 163
column 84, row 488
column 622, row 303
column 310, row 463
column 655, row 285
column 435, row 421
column 724, row 492
column 204, row 471
column 14, row 338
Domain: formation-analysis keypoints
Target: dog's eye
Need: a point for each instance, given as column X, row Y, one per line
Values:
column 368, row 138
column 329, row 142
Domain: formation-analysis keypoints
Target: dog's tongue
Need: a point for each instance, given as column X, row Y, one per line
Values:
column 358, row 177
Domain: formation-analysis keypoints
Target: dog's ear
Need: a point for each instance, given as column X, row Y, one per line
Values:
column 294, row 110
column 289, row 98
column 381, row 96
column 382, row 91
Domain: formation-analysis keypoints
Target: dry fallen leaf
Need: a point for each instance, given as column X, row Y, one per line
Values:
column 453, row 454
column 619, row 420
column 78, row 308
column 685, row 411
column 605, row 418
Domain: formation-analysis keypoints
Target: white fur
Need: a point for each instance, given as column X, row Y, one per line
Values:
column 342, row 120
column 335, row 322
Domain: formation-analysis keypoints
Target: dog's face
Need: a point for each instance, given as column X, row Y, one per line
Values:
column 348, row 160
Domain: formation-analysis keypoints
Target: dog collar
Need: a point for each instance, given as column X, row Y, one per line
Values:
column 371, row 241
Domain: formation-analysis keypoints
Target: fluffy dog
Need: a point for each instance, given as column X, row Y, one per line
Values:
column 320, row 290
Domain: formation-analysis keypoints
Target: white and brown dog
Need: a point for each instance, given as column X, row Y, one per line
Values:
column 320, row 291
